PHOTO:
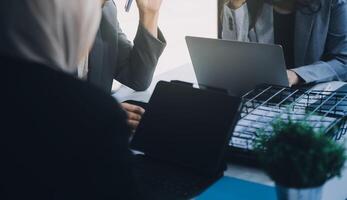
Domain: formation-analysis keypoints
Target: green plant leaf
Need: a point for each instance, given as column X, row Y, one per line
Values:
column 298, row 156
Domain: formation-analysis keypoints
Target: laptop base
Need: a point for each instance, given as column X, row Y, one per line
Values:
column 160, row 180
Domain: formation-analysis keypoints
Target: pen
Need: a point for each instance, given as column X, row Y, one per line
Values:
column 128, row 5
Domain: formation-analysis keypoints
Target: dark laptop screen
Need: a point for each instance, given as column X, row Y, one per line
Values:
column 187, row 126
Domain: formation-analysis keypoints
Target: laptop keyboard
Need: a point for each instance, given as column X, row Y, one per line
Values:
column 161, row 181
column 177, row 188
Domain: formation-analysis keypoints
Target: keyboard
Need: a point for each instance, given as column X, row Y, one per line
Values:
column 163, row 181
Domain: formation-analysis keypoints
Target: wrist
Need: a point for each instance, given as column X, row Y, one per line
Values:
column 148, row 15
column 149, row 20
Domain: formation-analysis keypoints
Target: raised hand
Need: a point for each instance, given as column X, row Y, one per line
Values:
column 149, row 14
column 149, row 6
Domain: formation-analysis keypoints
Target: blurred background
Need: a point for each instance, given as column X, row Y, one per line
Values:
column 178, row 18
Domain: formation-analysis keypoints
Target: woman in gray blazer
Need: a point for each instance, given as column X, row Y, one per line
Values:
column 313, row 34
column 115, row 57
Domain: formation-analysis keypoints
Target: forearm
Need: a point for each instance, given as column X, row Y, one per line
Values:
column 333, row 66
column 137, row 63
column 321, row 71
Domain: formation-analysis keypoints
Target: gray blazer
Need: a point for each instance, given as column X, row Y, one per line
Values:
column 113, row 56
column 320, row 39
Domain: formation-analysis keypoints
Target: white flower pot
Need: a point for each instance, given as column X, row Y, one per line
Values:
column 284, row 193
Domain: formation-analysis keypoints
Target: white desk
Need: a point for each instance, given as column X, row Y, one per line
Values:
column 335, row 189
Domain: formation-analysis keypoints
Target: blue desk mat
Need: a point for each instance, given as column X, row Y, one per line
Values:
column 235, row 189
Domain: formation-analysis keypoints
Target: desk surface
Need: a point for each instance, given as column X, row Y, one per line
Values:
column 335, row 189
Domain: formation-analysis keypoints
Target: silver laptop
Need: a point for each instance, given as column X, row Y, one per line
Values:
column 236, row 66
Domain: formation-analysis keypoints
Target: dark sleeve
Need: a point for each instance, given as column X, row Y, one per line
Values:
column 334, row 68
column 104, row 164
column 65, row 140
column 137, row 62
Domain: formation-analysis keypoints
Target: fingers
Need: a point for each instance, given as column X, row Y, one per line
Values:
column 134, row 114
column 133, row 108
column 133, row 124
column 293, row 78
column 289, row 78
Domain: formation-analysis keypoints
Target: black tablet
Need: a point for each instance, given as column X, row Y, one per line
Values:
column 187, row 126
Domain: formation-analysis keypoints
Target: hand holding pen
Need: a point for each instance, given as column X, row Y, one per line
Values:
column 149, row 14
column 145, row 6
column 128, row 5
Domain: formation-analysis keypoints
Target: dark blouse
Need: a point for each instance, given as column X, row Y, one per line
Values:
column 60, row 138
column 284, row 26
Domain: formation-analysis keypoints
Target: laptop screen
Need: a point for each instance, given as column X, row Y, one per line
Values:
column 187, row 126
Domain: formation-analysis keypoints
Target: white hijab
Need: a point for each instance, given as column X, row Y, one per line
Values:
column 57, row 33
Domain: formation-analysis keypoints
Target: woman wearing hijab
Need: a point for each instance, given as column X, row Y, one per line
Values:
column 60, row 138
column 313, row 34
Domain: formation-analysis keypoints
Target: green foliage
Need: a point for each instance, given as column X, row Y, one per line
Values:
column 297, row 156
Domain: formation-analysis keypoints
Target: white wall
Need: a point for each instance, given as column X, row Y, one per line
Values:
column 178, row 18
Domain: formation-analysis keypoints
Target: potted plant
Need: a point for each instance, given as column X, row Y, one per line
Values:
column 299, row 159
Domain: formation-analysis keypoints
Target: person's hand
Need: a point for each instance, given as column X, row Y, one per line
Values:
column 149, row 14
column 149, row 6
column 293, row 78
column 235, row 4
column 134, row 114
